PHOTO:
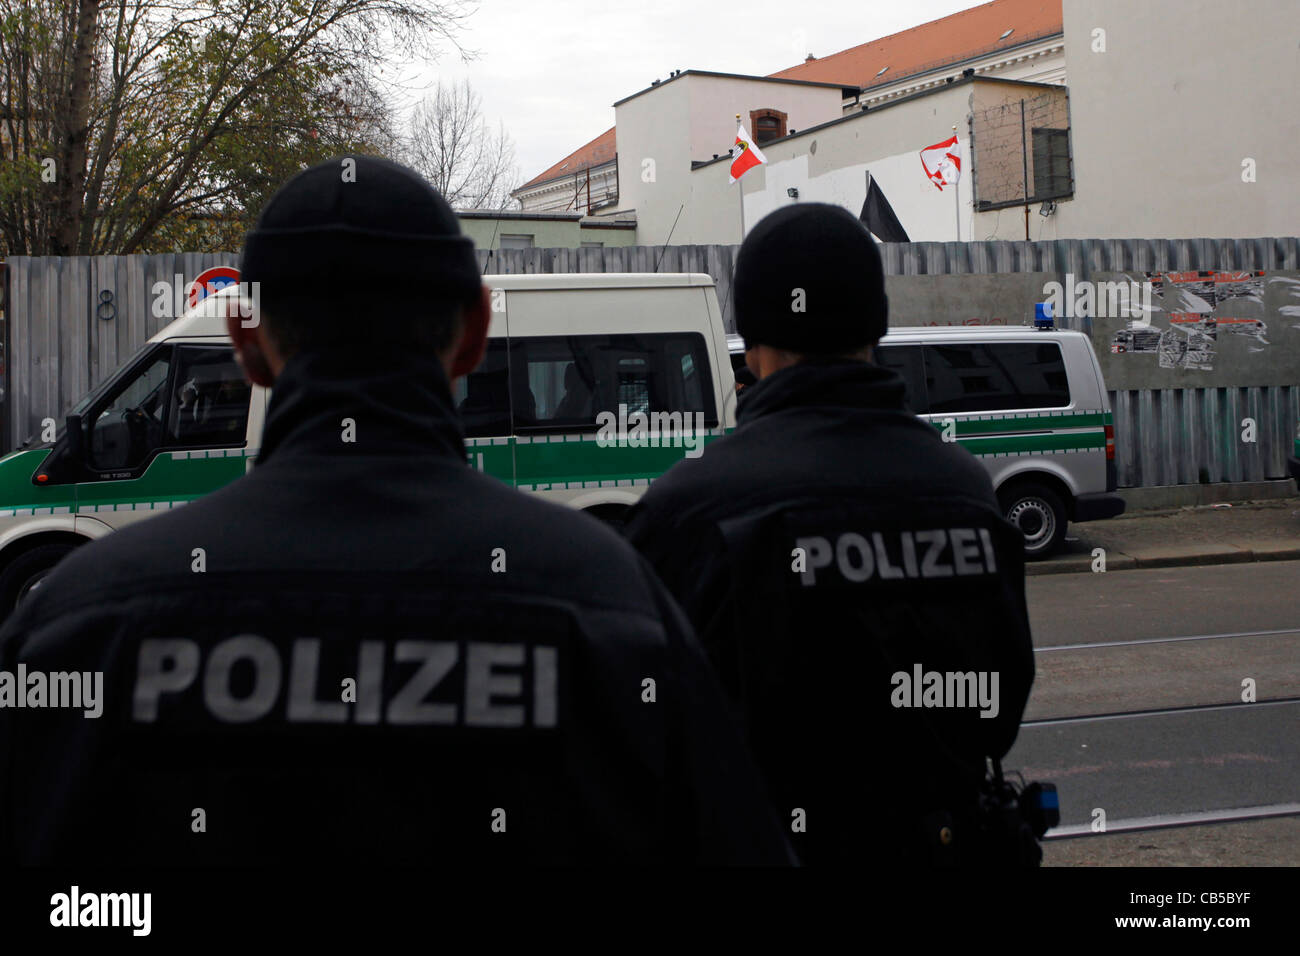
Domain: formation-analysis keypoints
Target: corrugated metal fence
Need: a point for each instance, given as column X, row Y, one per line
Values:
column 64, row 337
column 70, row 322
column 1192, row 435
column 1163, row 436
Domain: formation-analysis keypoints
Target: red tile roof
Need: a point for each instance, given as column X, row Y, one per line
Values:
column 599, row 150
column 955, row 38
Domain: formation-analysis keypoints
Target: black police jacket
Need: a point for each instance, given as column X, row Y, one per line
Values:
column 851, row 577
column 367, row 649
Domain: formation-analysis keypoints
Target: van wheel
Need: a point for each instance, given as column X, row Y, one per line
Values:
column 1038, row 514
column 25, row 573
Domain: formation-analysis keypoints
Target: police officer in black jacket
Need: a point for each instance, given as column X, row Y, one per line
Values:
column 365, row 649
column 848, row 572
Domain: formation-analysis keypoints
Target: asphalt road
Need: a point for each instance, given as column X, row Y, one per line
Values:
column 1137, row 712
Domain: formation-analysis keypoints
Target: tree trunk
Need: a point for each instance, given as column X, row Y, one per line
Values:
column 76, row 134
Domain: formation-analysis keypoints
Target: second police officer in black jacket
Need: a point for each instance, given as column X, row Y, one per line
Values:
column 498, row 647
column 848, row 572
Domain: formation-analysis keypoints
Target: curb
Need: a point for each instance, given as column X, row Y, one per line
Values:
column 1167, row 558
column 1139, row 500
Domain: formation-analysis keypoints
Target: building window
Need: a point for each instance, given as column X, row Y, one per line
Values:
column 593, row 245
column 1020, row 150
column 766, row 125
column 516, row 242
column 1051, row 164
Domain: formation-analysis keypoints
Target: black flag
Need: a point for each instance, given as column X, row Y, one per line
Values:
column 878, row 216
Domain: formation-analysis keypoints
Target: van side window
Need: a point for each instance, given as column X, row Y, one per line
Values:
column 573, row 379
column 906, row 361
column 564, row 382
column 634, row 384
column 692, row 385
column 483, row 396
column 128, row 423
column 209, row 402
column 979, row 377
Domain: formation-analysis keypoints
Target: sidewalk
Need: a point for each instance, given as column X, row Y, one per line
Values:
column 1208, row 534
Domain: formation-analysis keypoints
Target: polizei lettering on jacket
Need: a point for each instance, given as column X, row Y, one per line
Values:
column 896, row 555
column 451, row 683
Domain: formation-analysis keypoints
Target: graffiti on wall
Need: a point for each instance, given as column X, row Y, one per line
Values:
column 1200, row 306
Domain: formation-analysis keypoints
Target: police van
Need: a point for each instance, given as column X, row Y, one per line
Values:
column 592, row 386
column 176, row 421
column 1029, row 403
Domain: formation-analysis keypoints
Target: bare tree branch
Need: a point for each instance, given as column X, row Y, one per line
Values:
column 451, row 145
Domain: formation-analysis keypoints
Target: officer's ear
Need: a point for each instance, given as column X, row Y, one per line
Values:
column 254, row 350
column 466, row 352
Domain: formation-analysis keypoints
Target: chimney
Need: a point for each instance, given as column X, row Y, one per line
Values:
column 809, row 58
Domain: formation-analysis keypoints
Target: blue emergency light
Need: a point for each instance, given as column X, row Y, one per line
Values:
column 1043, row 316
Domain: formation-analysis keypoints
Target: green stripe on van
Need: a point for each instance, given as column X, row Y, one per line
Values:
column 172, row 477
column 556, row 461
column 19, row 494
column 1009, row 423
column 1030, row 444
column 551, row 462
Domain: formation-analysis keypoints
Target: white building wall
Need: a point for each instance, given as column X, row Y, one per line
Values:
column 715, row 101
column 1163, row 119
column 887, row 142
column 691, row 118
column 564, row 195
column 654, row 157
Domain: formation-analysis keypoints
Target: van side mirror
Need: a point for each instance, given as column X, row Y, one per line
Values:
column 75, row 431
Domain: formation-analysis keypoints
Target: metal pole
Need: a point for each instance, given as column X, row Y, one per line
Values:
column 1024, row 162
column 740, row 189
column 956, row 199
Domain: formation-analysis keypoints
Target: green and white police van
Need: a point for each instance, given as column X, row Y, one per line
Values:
column 1031, row 405
column 173, row 423
column 592, row 386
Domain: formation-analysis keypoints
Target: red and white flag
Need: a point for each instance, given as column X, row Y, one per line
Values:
column 942, row 162
column 747, row 155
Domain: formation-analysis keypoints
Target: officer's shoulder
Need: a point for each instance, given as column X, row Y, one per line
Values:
column 958, row 461
column 148, row 547
column 578, row 551
column 691, row 482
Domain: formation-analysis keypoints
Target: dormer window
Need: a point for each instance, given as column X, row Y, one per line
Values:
column 767, row 125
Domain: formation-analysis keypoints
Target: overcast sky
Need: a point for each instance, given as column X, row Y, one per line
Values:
column 552, row 69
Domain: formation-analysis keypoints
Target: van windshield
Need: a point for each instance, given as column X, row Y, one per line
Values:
column 89, row 398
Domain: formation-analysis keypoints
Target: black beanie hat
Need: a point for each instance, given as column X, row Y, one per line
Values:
column 358, row 228
column 809, row 279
